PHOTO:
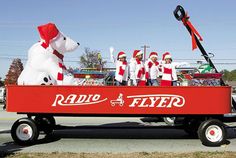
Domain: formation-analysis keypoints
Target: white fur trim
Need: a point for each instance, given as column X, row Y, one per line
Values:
column 139, row 53
column 167, row 56
column 55, row 38
column 153, row 56
column 121, row 56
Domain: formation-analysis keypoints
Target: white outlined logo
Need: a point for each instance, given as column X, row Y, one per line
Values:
column 157, row 100
column 119, row 101
column 77, row 100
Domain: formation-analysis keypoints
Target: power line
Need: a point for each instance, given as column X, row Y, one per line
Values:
column 107, row 58
column 76, row 60
column 109, row 62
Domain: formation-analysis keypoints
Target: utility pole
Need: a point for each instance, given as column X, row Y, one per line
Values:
column 144, row 50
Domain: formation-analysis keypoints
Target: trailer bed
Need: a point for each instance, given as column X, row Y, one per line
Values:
column 111, row 100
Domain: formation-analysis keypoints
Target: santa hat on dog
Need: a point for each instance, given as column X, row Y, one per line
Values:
column 136, row 53
column 121, row 55
column 166, row 55
column 153, row 54
column 47, row 33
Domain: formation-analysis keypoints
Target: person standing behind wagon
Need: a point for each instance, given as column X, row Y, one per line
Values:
column 137, row 70
column 151, row 69
column 169, row 76
column 121, row 75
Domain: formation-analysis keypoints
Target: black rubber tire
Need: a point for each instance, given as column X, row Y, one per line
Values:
column 203, row 129
column 45, row 123
column 33, row 126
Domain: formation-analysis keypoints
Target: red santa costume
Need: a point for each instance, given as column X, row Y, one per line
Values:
column 137, row 70
column 151, row 69
column 122, row 70
column 169, row 72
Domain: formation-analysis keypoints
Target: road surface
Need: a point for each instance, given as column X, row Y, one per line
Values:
column 117, row 135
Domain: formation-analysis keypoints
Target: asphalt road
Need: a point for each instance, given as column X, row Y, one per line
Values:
column 117, row 135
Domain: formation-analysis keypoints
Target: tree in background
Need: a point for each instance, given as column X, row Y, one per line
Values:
column 92, row 59
column 233, row 72
column 229, row 75
column 14, row 72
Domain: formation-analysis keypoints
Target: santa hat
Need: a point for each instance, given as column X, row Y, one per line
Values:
column 153, row 54
column 136, row 53
column 47, row 33
column 121, row 55
column 166, row 55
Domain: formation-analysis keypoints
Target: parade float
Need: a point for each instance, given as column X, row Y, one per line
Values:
column 202, row 102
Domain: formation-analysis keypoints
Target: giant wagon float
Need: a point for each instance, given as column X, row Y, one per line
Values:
column 203, row 110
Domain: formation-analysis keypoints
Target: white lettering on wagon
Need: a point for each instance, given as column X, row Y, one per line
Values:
column 74, row 99
column 157, row 100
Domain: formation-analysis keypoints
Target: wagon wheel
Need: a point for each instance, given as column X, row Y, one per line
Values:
column 212, row 133
column 45, row 123
column 24, row 131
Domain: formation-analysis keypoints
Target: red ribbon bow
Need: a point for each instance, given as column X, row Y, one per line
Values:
column 186, row 21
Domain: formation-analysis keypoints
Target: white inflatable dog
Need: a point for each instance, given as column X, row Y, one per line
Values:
column 45, row 59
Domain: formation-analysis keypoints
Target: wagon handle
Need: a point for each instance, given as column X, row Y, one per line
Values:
column 179, row 13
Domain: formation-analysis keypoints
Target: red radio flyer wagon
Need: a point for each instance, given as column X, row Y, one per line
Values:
column 203, row 109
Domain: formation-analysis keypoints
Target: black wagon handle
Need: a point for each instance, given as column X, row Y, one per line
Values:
column 179, row 13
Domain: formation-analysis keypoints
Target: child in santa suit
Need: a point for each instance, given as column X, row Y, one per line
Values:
column 121, row 75
column 137, row 70
column 151, row 69
column 169, row 76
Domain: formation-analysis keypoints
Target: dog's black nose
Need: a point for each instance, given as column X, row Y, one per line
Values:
column 78, row 43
